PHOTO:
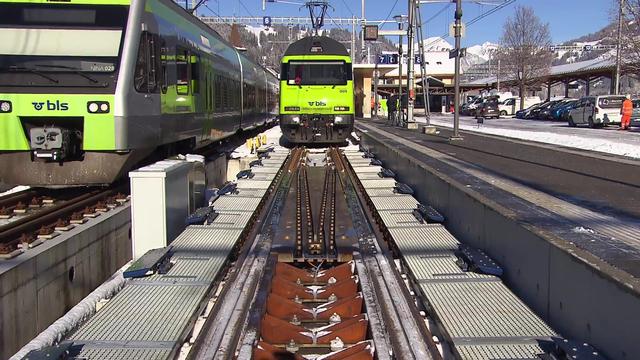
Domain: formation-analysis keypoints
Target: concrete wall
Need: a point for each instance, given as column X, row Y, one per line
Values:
column 579, row 295
column 41, row 285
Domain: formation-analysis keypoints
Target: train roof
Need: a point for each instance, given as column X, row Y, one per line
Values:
column 317, row 45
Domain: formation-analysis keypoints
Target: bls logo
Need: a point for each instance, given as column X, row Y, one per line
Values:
column 52, row 106
column 317, row 103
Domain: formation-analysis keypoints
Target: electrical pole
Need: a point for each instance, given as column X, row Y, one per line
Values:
column 400, row 69
column 410, row 62
column 353, row 41
column 498, row 75
column 456, row 100
column 619, row 45
column 362, row 22
column 376, row 77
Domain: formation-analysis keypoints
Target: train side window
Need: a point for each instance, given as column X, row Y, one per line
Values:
column 163, row 66
column 182, row 71
column 147, row 75
column 218, row 95
column 236, row 93
column 195, row 73
column 227, row 97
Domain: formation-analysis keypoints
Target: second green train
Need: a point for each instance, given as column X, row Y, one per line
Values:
column 316, row 92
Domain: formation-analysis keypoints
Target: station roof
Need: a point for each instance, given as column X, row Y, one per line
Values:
column 559, row 73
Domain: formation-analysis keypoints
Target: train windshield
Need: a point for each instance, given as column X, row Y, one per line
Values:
column 61, row 38
column 318, row 73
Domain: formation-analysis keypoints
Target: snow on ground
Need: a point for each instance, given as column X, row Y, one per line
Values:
column 578, row 141
column 14, row 190
column 273, row 138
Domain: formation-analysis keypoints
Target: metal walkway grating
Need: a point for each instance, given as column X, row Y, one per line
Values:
column 395, row 202
column 482, row 310
column 144, row 313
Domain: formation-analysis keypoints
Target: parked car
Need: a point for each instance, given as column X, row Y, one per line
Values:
column 522, row 114
column 597, row 111
column 561, row 112
column 488, row 109
column 549, row 113
column 509, row 106
column 545, row 112
column 470, row 107
column 636, row 110
column 535, row 112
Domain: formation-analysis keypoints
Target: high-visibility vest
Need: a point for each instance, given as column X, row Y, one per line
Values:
column 627, row 108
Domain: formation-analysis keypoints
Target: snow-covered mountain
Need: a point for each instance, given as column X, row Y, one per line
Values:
column 436, row 44
column 483, row 52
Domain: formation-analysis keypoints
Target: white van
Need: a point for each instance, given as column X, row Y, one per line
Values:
column 597, row 110
column 511, row 105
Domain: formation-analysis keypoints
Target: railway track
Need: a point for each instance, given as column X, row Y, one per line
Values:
column 316, row 283
column 320, row 254
column 31, row 217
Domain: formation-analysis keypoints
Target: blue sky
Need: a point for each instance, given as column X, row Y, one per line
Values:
column 568, row 19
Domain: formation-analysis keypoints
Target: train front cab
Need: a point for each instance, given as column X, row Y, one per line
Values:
column 58, row 68
column 316, row 98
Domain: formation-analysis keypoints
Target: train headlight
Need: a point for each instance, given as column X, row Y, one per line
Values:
column 340, row 108
column 295, row 119
column 5, row 106
column 338, row 120
column 98, row 107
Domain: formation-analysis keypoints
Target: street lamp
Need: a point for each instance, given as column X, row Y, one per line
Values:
column 400, row 19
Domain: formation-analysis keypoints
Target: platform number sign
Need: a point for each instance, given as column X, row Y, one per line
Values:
column 417, row 59
column 388, row 59
column 266, row 21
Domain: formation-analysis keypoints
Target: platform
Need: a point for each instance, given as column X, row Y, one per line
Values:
column 532, row 207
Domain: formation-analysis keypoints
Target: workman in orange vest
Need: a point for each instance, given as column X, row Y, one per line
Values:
column 626, row 111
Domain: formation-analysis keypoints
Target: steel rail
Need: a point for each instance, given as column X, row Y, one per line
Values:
column 50, row 215
column 409, row 336
column 223, row 327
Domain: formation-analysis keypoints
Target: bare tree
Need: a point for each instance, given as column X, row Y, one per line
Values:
column 524, row 49
column 630, row 36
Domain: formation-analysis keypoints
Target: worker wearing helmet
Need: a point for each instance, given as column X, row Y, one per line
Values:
column 626, row 111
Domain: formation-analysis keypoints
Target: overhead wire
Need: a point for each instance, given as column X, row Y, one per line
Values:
column 213, row 12
column 348, row 8
column 245, row 8
column 389, row 14
column 447, row 6
column 474, row 20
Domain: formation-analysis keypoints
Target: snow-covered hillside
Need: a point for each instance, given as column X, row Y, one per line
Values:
column 483, row 51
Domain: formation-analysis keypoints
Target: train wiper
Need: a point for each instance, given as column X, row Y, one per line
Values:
column 75, row 70
column 33, row 71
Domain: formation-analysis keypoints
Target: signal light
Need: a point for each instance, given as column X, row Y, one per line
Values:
column 291, row 108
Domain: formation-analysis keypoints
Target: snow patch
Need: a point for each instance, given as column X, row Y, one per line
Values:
column 14, row 190
column 582, row 230
column 565, row 140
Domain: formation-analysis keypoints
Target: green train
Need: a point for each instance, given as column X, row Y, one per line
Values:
column 89, row 88
column 316, row 92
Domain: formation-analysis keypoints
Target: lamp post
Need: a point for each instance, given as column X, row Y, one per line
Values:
column 456, row 100
column 400, row 19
